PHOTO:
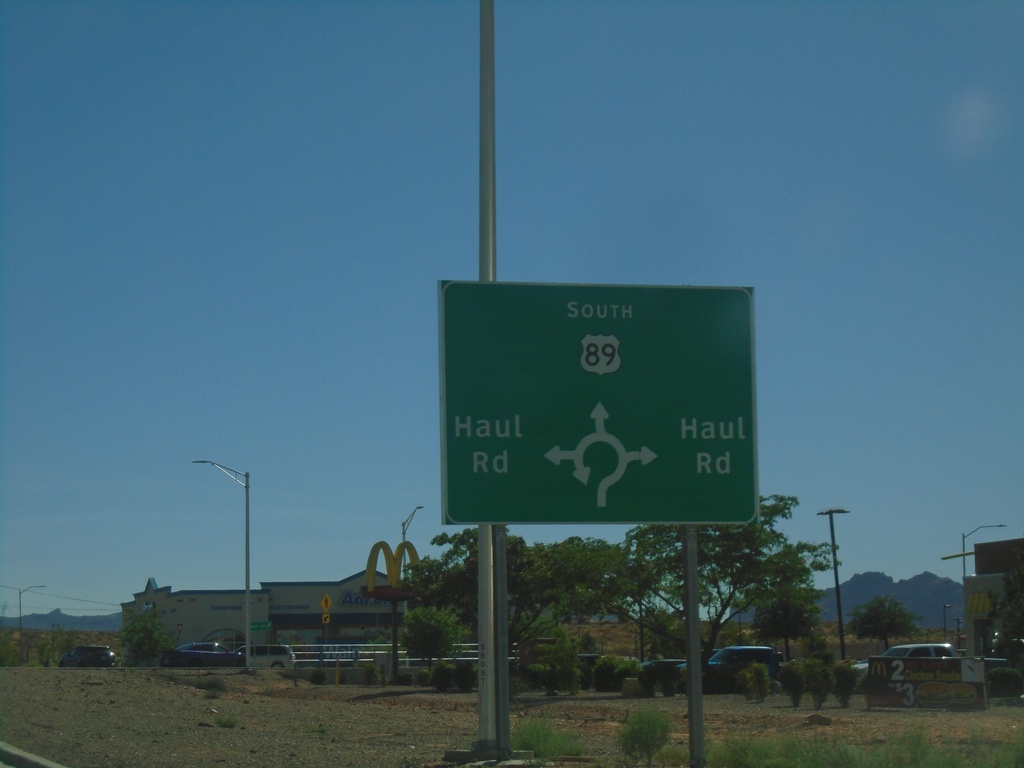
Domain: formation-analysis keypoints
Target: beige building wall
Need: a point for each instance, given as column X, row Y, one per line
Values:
column 294, row 611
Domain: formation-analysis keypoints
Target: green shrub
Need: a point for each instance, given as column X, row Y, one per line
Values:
column 562, row 659
column 317, row 676
column 586, row 675
column 668, row 680
column 370, row 674
column 719, row 679
column 538, row 735
column 1004, row 682
column 818, row 648
column 464, row 676
column 606, row 677
column 672, row 756
column 539, row 676
column 211, row 684
column 648, row 679
column 9, row 656
column 423, row 677
column 845, row 683
column 663, row 677
column 443, row 675
column 644, row 733
column 754, row 681
column 791, row 678
column 819, row 681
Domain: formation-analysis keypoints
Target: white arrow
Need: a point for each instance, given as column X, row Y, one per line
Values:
column 645, row 455
column 581, row 473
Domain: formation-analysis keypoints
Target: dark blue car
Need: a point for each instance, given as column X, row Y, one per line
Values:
column 202, row 655
column 88, row 656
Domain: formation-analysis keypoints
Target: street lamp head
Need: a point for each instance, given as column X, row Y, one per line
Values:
column 201, row 461
column 408, row 520
column 835, row 512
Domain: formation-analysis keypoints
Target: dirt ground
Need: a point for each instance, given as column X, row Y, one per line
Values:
column 136, row 718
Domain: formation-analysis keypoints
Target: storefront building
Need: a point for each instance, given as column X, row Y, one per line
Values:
column 292, row 612
column 984, row 591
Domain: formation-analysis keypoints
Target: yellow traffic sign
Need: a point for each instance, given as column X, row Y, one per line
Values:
column 327, row 618
column 325, row 603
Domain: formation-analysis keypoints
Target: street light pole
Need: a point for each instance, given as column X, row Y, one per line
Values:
column 405, row 523
column 835, row 572
column 945, row 639
column 21, row 632
column 963, row 542
column 234, row 474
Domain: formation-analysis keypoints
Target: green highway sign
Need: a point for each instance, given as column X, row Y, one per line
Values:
column 259, row 626
column 597, row 404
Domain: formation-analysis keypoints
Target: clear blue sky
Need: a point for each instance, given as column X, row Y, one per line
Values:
column 223, row 224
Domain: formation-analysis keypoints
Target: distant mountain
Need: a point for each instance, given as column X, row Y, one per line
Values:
column 924, row 595
column 110, row 622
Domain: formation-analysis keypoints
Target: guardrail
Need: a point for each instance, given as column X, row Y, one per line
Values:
column 353, row 654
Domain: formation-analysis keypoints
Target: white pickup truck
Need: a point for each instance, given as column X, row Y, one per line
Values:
column 916, row 651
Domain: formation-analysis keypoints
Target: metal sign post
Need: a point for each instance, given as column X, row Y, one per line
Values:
column 493, row 732
column 694, row 691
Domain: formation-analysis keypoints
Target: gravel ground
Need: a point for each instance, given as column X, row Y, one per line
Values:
column 136, row 718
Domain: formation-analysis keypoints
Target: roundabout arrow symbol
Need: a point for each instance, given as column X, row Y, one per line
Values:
column 582, row 472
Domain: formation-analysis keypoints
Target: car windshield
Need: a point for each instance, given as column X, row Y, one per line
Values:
column 896, row 651
column 726, row 654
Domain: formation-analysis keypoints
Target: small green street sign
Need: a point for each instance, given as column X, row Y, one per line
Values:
column 259, row 626
column 597, row 404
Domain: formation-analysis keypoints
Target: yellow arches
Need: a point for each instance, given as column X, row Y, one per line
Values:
column 392, row 563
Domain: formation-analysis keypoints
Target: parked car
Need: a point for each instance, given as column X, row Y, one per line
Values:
column 201, row 655
column 724, row 664
column 914, row 651
column 659, row 664
column 738, row 657
column 273, row 656
column 88, row 656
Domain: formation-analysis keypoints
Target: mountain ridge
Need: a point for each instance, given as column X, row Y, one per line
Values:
column 109, row 622
column 923, row 595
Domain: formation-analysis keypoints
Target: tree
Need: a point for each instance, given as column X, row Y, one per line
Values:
column 644, row 592
column 144, row 636
column 431, row 633
column 548, row 584
column 738, row 565
column 881, row 618
column 790, row 615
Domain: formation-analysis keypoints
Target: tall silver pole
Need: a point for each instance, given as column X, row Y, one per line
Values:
column 234, row 474
column 493, row 624
column 488, row 198
column 694, row 665
column 492, row 620
column 248, row 600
